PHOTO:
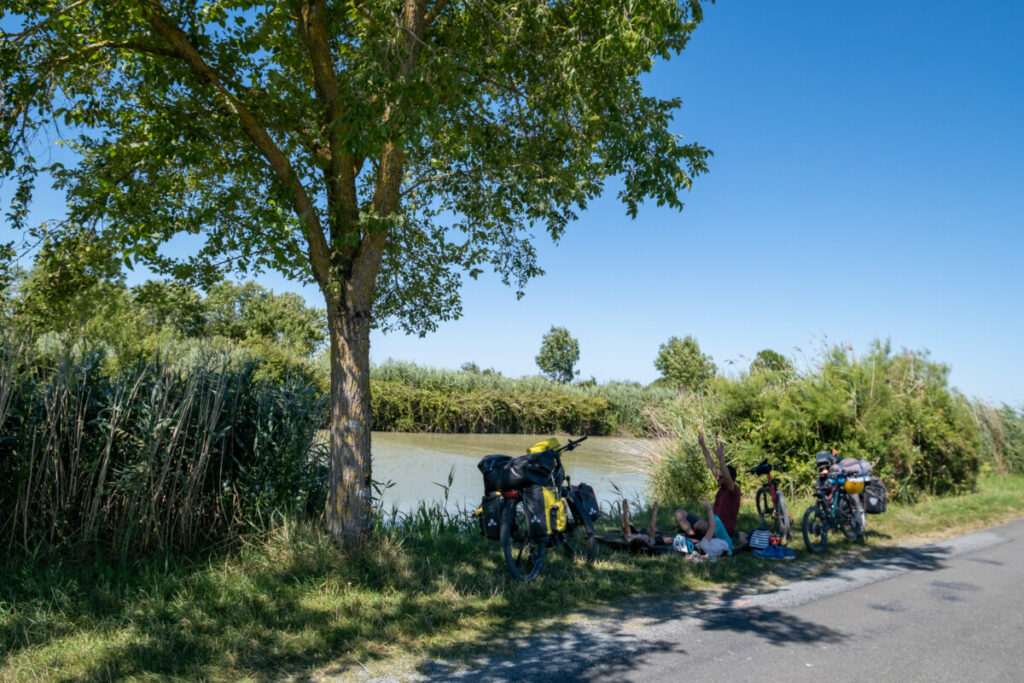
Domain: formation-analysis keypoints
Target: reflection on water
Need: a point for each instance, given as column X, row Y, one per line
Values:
column 418, row 463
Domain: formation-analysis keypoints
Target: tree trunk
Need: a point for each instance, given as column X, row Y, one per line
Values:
column 349, row 504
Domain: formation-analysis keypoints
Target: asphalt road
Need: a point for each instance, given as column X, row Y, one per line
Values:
column 952, row 611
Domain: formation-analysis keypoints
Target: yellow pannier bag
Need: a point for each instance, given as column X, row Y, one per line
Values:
column 854, row 485
column 541, row 446
column 546, row 511
column 557, row 508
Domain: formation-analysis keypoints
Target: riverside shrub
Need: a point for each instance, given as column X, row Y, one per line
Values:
column 895, row 410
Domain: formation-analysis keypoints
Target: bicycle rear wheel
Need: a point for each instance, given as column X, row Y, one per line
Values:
column 815, row 529
column 524, row 556
column 849, row 519
column 765, row 509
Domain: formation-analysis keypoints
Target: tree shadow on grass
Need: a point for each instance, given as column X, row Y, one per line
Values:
column 287, row 619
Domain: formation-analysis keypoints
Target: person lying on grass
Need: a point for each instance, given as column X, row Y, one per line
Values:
column 707, row 546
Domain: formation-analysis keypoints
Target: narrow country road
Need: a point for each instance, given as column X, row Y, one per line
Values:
column 951, row 611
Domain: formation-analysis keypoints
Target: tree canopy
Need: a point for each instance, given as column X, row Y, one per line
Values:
column 381, row 149
column 681, row 362
column 559, row 353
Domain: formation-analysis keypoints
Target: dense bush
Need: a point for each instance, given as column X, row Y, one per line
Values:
column 895, row 410
column 153, row 458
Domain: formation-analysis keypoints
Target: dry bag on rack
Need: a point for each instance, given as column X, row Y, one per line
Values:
column 875, row 496
column 505, row 473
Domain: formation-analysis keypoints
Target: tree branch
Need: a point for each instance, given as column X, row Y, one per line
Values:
column 341, row 186
column 318, row 252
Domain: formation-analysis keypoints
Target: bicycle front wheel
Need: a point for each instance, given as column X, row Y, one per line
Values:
column 524, row 556
column 815, row 530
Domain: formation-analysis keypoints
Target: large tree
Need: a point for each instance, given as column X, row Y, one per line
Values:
column 378, row 148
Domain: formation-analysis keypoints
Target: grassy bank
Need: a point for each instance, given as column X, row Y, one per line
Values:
column 291, row 604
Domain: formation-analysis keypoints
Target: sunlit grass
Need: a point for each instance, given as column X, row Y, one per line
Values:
column 291, row 604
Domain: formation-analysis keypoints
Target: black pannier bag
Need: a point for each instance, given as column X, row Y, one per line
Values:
column 495, row 471
column 875, row 496
column 588, row 502
column 504, row 473
column 489, row 516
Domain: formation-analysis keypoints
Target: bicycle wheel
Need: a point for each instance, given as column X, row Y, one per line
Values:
column 849, row 519
column 579, row 543
column 765, row 509
column 785, row 521
column 524, row 556
column 815, row 529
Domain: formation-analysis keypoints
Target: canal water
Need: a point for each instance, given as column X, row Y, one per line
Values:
column 416, row 465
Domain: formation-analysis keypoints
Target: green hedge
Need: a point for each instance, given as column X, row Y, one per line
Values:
column 400, row 407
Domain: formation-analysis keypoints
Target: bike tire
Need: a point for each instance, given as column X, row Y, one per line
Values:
column 524, row 555
column 784, row 519
column 815, row 530
column 849, row 520
column 765, row 509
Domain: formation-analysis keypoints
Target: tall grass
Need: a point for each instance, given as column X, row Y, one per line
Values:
column 1002, row 437
column 154, row 458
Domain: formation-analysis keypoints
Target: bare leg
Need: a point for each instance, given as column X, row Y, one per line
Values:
column 630, row 536
column 652, row 527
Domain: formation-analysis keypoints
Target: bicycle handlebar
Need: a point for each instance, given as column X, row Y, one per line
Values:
column 765, row 467
column 571, row 445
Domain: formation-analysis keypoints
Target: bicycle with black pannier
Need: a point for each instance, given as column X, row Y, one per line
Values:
column 531, row 505
column 836, row 504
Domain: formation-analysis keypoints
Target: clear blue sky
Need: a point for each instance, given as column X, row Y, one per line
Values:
column 868, row 182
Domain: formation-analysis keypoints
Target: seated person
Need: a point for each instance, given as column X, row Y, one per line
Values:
column 727, row 498
column 710, row 545
column 699, row 529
